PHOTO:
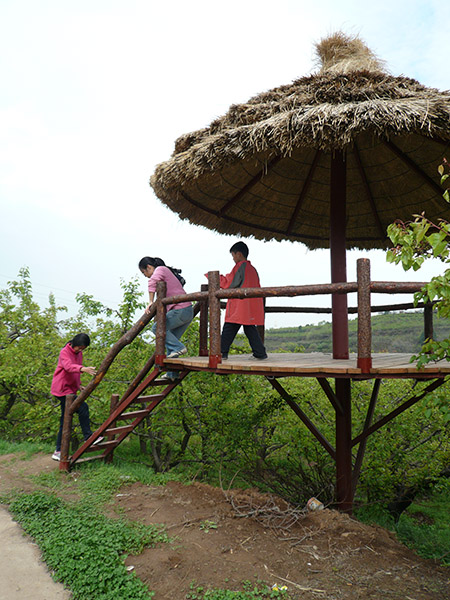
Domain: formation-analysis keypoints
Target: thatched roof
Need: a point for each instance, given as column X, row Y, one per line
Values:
column 262, row 169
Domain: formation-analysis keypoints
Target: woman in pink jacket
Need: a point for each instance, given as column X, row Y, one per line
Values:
column 67, row 380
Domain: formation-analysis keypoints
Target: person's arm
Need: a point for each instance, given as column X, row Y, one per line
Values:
column 235, row 279
column 69, row 365
column 73, row 367
column 151, row 296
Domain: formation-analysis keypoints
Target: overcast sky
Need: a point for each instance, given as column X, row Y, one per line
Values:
column 95, row 92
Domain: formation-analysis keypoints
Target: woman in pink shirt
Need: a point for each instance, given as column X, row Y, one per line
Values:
column 178, row 316
column 67, row 380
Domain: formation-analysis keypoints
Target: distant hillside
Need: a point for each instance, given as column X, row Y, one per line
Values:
column 391, row 332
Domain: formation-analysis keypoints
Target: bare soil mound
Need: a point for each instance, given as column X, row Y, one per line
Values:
column 220, row 539
column 223, row 539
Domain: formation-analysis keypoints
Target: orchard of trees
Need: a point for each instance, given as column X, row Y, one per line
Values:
column 228, row 429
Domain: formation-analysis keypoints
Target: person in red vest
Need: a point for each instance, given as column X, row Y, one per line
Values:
column 248, row 312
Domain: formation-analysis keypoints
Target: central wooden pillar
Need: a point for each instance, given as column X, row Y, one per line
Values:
column 338, row 218
column 339, row 306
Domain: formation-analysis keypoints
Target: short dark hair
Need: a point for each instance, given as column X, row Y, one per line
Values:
column 240, row 247
column 81, row 339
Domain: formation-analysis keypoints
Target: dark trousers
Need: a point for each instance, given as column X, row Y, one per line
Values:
column 229, row 332
column 83, row 416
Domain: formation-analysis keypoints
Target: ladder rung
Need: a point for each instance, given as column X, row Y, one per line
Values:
column 88, row 458
column 122, row 429
column 134, row 414
column 149, row 398
column 101, row 446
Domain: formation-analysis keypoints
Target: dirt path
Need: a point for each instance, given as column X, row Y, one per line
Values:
column 222, row 541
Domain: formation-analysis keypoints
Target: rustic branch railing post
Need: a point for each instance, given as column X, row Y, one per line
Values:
column 160, row 344
column 364, row 315
column 203, row 327
column 64, row 463
column 215, row 355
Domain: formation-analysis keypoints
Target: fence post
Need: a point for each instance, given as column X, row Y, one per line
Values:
column 428, row 321
column 160, row 344
column 64, row 464
column 364, row 315
column 114, row 403
column 215, row 355
column 203, row 327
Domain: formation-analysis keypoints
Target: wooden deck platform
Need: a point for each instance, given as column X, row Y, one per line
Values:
column 316, row 364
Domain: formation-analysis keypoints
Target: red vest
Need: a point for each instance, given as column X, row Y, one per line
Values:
column 248, row 311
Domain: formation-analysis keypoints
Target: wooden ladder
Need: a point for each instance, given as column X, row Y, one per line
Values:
column 113, row 434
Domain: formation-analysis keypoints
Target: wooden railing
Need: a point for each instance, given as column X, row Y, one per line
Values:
column 210, row 309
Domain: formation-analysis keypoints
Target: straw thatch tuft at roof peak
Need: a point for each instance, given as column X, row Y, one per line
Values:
column 341, row 53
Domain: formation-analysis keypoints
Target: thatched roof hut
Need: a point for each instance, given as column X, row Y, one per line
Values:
column 263, row 169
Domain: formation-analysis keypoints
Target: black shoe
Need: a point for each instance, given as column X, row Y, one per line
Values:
column 261, row 357
column 225, row 356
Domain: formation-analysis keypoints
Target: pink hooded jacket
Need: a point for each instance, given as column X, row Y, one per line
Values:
column 67, row 375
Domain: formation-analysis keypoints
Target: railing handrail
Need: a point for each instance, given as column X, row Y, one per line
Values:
column 387, row 287
column 364, row 287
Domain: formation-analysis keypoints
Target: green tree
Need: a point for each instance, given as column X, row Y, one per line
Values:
column 30, row 338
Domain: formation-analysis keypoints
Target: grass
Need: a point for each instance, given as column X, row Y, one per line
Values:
column 25, row 448
column 424, row 526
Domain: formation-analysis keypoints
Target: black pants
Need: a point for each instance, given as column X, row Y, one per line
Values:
column 229, row 332
column 83, row 415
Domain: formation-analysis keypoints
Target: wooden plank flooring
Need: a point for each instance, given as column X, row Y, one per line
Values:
column 316, row 364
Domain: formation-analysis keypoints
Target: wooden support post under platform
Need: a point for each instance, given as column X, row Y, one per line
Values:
column 64, row 463
column 114, row 403
column 160, row 345
column 338, row 219
column 215, row 355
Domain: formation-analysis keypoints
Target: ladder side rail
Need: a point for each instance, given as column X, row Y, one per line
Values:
column 126, row 339
column 160, row 341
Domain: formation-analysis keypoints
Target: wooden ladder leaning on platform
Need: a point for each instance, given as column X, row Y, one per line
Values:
column 113, row 435
column 144, row 379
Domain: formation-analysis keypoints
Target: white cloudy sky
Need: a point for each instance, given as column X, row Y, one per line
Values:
column 94, row 93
